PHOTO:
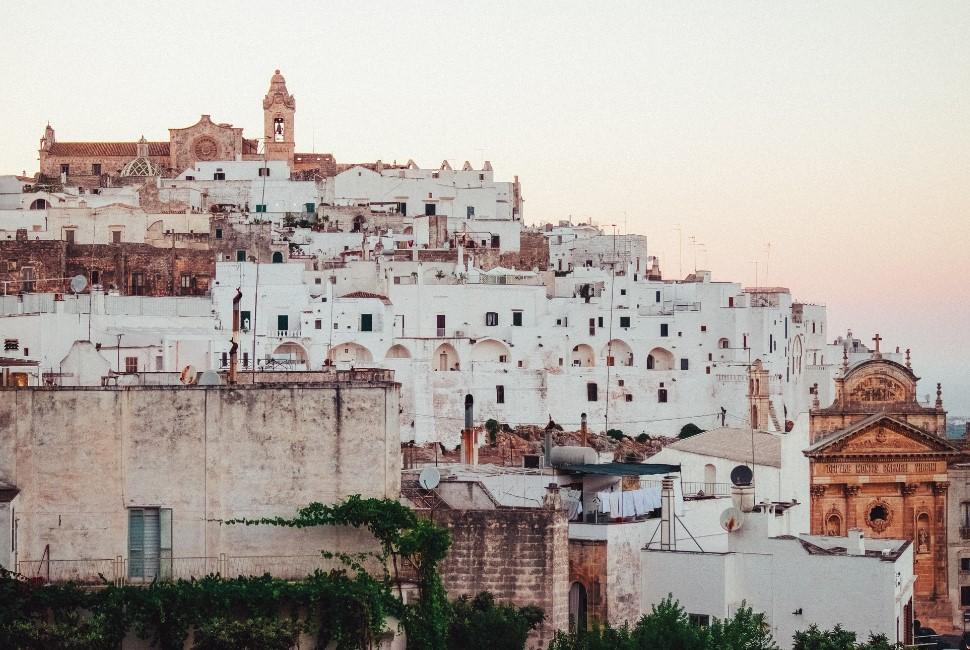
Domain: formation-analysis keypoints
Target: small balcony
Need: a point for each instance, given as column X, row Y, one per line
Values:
column 965, row 532
column 288, row 334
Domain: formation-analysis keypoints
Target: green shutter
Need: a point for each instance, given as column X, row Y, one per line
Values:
column 282, row 322
column 366, row 323
column 136, row 543
column 310, row 208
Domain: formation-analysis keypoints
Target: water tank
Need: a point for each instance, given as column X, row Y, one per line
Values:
column 572, row 456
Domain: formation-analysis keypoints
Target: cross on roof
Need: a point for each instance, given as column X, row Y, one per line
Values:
column 877, row 339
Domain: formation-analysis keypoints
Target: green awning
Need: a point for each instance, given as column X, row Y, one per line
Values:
column 622, row 469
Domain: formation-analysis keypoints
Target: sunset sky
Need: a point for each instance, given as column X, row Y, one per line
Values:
column 837, row 132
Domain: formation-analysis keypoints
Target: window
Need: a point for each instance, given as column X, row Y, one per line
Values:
column 131, row 364
column 218, row 233
column 402, row 208
column 730, row 301
column 662, row 395
column 703, row 328
column 244, row 321
column 264, row 171
column 500, row 394
column 282, row 322
column 149, row 543
column 664, row 329
column 657, row 299
column 69, row 235
column 186, row 282
column 65, row 169
column 95, row 277
column 96, row 169
column 26, row 352
column 699, row 620
column 964, row 596
column 277, row 257
column 592, row 326
column 624, row 321
column 245, row 360
column 309, row 207
column 591, row 392
column 965, row 564
column 629, row 397
column 260, row 207
column 27, row 278
column 491, row 318
column 138, row 284
column 11, row 344
column 190, row 178
column 240, row 256
column 366, row 322
column 429, row 209
column 622, row 292
column 318, row 324
column 219, row 176
column 470, row 211
column 11, row 265
column 684, row 364
column 115, row 236
column 517, row 318
column 599, row 321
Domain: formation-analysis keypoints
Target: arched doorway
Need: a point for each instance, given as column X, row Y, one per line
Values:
column 577, row 608
column 490, row 351
column 583, row 356
column 618, row 353
column 291, row 355
column 397, row 351
column 445, row 357
column 660, row 359
column 349, row 353
column 277, row 257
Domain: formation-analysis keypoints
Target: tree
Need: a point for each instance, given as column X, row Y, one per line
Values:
column 491, row 427
column 479, row 624
column 838, row 638
column 746, row 630
column 688, row 430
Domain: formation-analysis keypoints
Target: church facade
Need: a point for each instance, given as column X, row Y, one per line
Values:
column 99, row 164
column 879, row 461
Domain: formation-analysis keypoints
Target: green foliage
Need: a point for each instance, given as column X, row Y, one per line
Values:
column 643, row 437
column 479, row 624
column 839, row 639
column 667, row 626
column 688, row 430
column 252, row 634
column 616, row 434
column 491, row 427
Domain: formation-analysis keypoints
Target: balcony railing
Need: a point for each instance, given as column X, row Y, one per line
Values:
column 964, row 532
column 123, row 570
column 288, row 334
column 703, row 489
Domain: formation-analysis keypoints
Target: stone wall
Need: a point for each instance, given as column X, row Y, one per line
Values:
column 518, row 554
column 81, row 457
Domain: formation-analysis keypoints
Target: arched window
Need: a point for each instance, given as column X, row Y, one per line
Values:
column 40, row 204
column 577, row 607
column 277, row 257
column 660, row 359
column 723, row 344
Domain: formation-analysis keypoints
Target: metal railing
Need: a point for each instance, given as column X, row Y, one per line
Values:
column 964, row 532
column 702, row 489
column 141, row 571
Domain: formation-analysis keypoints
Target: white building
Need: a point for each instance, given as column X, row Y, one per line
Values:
column 795, row 580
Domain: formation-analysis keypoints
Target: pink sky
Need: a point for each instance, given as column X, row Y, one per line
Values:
column 838, row 132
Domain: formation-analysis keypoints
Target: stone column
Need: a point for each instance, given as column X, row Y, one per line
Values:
column 818, row 516
column 851, row 492
column 938, row 539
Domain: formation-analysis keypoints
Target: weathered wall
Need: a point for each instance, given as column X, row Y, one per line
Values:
column 587, row 566
column 519, row 554
column 82, row 456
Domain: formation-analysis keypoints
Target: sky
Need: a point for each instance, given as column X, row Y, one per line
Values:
column 821, row 146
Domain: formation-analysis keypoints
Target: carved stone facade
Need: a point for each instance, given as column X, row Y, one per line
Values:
column 205, row 140
column 879, row 462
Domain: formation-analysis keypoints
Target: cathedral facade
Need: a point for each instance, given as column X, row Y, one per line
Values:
column 879, row 461
column 99, row 164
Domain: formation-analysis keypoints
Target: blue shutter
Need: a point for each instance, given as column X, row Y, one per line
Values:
column 136, row 544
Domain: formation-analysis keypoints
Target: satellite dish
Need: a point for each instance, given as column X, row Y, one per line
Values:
column 741, row 475
column 78, row 283
column 210, row 378
column 188, row 375
column 732, row 519
column 429, row 478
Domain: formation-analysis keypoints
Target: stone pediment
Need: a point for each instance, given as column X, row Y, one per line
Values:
column 881, row 435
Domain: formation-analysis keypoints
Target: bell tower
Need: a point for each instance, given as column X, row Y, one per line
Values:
column 279, row 106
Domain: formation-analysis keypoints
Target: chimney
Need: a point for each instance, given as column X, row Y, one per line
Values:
column 234, row 347
column 583, row 434
column 856, row 542
column 552, row 499
column 668, row 533
column 469, row 437
column 742, row 497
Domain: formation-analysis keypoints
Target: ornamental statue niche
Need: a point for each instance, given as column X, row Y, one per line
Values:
column 879, row 515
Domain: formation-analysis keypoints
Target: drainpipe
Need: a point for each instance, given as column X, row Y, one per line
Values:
column 234, row 348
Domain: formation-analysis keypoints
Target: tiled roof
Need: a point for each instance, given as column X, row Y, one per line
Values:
column 94, row 149
column 367, row 294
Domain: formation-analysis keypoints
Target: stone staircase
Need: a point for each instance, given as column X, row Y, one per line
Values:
column 421, row 498
column 774, row 416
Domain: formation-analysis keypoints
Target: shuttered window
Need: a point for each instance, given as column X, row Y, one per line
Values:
column 149, row 542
